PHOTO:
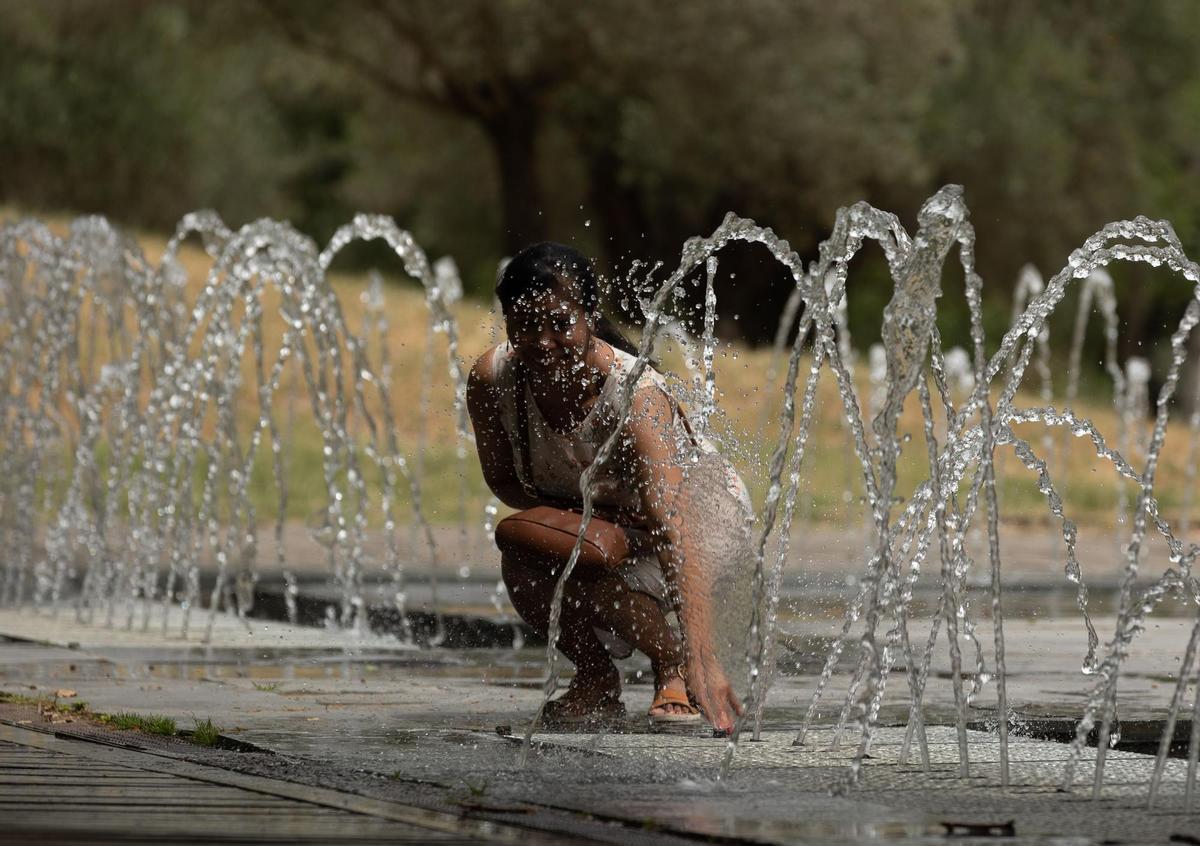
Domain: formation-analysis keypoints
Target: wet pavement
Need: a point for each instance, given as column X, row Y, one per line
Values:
column 364, row 714
column 58, row 789
column 449, row 720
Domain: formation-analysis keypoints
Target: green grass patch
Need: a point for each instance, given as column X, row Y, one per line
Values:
column 148, row 723
column 21, row 699
column 477, row 789
column 45, row 703
column 206, row 733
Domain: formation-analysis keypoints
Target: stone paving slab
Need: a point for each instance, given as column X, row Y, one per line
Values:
column 432, row 717
column 167, row 771
column 51, row 789
column 777, row 790
column 1043, row 656
column 1033, row 763
column 63, row 629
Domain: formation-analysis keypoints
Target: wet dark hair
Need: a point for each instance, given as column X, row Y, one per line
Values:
column 541, row 267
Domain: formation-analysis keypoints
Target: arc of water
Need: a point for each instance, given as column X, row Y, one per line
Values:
column 907, row 323
column 1168, row 734
column 859, row 221
column 46, row 282
column 438, row 294
column 1096, row 253
column 709, row 344
column 1193, row 457
column 165, row 434
column 178, row 530
column 880, row 226
column 851, row 227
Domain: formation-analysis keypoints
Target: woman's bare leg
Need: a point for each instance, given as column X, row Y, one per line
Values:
column 531, row 591
column 639, row 621
column 606, row 602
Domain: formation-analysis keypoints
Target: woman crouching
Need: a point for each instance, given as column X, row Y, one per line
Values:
column 671, row 514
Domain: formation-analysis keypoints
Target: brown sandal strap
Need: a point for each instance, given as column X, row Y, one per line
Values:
column 666, row 697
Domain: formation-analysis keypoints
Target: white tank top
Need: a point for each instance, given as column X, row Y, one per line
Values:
column 558, row 459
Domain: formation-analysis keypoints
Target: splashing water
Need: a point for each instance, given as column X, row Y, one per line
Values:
column 124, row 399
column 130, row 470
column 974, row 430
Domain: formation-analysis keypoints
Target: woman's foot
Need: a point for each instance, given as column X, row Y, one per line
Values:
column 671, row 701
column 590, row 698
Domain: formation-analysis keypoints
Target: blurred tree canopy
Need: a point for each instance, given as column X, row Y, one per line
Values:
column 621, row 126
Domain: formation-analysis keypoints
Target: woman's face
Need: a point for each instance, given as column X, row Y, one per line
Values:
column 550, row 330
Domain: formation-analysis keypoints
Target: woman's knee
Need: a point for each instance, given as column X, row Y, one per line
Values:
column 518, row 571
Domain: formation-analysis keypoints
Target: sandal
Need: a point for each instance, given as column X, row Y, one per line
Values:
column 665, row 697
column 559, row 714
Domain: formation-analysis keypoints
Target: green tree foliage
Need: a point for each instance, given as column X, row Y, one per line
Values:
column 624, row 126
column 86, row 120
column 1061, row 117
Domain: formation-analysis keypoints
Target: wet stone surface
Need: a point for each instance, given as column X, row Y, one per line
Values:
column 431, row 717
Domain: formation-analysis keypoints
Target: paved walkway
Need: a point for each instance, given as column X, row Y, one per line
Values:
column 439, row 730
column 86, row 783
column 59, row 790
column 228, row 632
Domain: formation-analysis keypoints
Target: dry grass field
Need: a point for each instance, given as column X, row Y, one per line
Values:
column 747, row 421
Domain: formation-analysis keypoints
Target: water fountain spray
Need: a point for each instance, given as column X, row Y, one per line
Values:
column 132, row 470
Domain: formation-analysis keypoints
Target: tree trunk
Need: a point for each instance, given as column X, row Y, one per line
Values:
column 1134, row 294
column 513, row 135
column 1188, row 392
column 618, row 209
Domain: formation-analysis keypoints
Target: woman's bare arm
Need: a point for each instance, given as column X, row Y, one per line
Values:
column 495, row 448
column 661, row 481
column 491, row 441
